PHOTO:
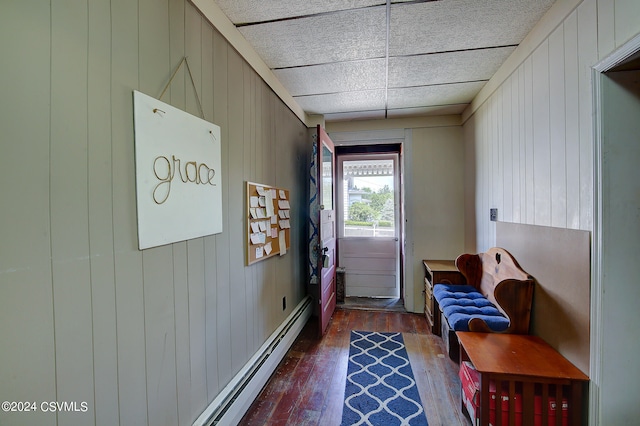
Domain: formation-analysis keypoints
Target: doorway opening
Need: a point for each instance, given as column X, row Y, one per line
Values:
column 369, row 225
column 615, row 243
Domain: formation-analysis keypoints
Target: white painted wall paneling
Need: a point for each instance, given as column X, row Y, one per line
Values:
column 152, row 336
column 26, row 290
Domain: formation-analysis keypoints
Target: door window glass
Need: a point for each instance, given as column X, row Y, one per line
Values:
column 327, row 178
column 368, row 198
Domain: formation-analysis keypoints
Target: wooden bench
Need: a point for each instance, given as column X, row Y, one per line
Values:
column 498, row 277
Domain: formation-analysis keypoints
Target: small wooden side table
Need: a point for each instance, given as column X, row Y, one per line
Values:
column 438, row 271
column 514, row 360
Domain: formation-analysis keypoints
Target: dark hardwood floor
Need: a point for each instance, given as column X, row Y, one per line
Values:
column 308, row 386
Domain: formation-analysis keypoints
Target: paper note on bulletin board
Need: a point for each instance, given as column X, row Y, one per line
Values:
column 268, row 222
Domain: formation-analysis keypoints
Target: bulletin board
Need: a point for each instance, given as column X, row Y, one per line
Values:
column 268, row 222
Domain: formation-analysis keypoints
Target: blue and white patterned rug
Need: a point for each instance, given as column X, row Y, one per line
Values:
column 380, row 387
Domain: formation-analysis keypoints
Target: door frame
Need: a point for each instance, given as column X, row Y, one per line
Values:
column 403, row 137
column 598, row 266
column 394, row 155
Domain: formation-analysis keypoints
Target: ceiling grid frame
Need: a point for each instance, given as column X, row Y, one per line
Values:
column 433, row 58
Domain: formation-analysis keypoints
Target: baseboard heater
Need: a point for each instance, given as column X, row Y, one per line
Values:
column 236, row 398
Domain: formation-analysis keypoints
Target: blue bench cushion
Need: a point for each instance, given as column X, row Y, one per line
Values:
column 460, row 303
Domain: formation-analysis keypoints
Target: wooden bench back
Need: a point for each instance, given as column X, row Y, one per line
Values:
column 499, row 278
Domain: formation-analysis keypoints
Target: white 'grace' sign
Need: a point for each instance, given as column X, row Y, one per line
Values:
column 178, row 175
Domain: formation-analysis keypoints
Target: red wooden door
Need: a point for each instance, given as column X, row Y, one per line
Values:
column 326, row 228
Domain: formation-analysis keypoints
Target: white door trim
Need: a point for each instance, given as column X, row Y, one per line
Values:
column 403, row 137
column 597, row 327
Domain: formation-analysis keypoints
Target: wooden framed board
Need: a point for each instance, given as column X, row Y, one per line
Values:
column 268, row 218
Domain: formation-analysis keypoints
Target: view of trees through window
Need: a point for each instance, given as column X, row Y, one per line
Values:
column 369, row 199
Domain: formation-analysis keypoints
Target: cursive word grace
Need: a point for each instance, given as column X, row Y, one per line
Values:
column 189, row 172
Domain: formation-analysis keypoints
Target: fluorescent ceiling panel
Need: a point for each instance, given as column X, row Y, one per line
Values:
column 335, row 77
column 350, row 35
column 246, row 11
column 342, row 102
column 451, row 67
column 452, row 25
column 446, row 94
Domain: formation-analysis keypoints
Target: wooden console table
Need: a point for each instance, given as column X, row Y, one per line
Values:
column 438, row 271
column 523, row 361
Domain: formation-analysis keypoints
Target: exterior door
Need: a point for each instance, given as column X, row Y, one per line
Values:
column 368, row 225
column 326, row 228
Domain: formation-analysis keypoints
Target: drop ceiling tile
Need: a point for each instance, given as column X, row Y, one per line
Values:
column 423, row 111
column 450, row 67
column 349, row 35
column 446, row 94
column 357, row 115
column 331, row 78
column 449, row 25
column 246, row 11
column 342, row 102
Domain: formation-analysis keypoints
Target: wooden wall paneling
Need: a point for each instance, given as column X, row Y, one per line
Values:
column 157, row 262
column 288, row 266
column 218, row 92
column 607, row 27
column 209, row 383
column 253, row 334
column 470, row 165
column 190, row 390
column 69, row 214
column 27, row 358
column 206, row 72
column 476, row 197
column 572, row 120
column 269, row 290
column 100, row 212
column 514, row 142
column 128, row 260
column 268, row 171
column 498, row 154
column 481, row 181
column 541, row 144
column 529, row 193
column 587, row 57
column 236, row 210
column 558, row 191
column 274, row 169
column 507, row 154
column 626, row 21
column 154, row 58
column 249, row 106
column 196, row 261
column 176, row 93
column 208, row 94
column 265, row 316
column 522, row 143
column 160, row 342
column 488, row 171
column 197, row 281
column 184, row 381
column 193, row 51
column 222, row 311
